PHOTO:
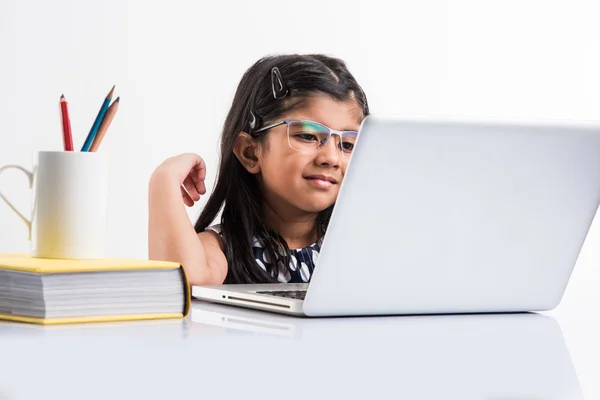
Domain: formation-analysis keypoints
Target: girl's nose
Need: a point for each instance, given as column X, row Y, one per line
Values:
column 330, row 154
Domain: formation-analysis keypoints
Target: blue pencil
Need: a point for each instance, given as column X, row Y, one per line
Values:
column 99, row 117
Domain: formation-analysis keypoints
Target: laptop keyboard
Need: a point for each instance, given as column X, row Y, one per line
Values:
column 290, row 294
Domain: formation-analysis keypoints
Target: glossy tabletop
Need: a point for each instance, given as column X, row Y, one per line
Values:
column 226, row 352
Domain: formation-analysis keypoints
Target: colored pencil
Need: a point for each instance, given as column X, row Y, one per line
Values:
column 66, row 124
column 108, row 117
column 99, row 117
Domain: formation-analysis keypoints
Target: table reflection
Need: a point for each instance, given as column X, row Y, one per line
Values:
column 227, row 352
column 519, row 356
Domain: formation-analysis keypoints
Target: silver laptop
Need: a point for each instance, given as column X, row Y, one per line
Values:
column 448, row 215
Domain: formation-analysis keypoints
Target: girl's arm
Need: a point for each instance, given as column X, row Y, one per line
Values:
column 171, row 235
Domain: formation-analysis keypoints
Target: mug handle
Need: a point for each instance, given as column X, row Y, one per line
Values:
column 12, row 207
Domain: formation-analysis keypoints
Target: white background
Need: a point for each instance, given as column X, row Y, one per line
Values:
column 176, row 65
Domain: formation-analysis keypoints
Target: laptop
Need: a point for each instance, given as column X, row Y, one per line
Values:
column 444, row 215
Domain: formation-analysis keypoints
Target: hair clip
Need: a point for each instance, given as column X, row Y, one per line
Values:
column 279, row 88
column 253, row 121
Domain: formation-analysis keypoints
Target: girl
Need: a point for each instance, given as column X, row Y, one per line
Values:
column 285, row 147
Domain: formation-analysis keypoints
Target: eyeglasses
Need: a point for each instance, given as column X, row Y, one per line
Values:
column 310, row 137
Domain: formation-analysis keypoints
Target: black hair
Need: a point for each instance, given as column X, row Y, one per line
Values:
column 237, row 191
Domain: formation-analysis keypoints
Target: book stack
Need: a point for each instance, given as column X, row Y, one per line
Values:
column 57, row 291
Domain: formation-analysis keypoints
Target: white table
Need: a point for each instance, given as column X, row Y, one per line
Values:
column 224, row 352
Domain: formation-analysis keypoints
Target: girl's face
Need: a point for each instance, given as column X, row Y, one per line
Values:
column 300, row 181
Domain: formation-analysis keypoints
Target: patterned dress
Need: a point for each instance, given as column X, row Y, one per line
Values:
column 301, row 265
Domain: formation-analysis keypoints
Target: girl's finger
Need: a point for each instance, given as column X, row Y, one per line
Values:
column 198, row 175
column 199, row 172
column 200, row 187
column 191, row 188
column 186, row 198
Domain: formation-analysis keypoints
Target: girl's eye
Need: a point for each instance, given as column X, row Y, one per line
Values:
column 347, row 146
column 308, row 137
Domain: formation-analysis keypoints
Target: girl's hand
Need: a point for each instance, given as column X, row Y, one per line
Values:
column 189, row 171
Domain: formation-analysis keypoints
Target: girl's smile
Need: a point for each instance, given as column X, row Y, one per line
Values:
column 322, row 181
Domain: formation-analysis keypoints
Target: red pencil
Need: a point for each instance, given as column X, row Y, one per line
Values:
column 66, row 123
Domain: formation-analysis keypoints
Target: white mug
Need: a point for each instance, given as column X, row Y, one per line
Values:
column 69, row 213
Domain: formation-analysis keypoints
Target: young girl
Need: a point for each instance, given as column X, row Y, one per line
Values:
column 285, row 147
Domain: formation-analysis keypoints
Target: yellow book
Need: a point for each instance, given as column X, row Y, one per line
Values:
column 56, row 291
